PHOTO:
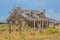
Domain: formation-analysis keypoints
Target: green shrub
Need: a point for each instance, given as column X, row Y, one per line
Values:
column 7, row 36
column 3, row 28
column 37, row 38
column 32, row 33
column 41, row 31
column 26, row 28
column 50, row 31
column 22, row 36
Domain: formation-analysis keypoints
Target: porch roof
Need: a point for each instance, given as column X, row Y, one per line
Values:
column 36, row 18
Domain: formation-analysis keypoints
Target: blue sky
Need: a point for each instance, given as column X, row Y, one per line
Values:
column 52, row 7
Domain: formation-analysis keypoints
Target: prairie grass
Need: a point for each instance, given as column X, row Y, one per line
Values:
column 49, row 31
column 28, row 34
column 37, row 38
column 32, row 33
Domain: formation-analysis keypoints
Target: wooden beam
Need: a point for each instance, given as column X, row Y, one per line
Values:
column 42, row 24
column 47, row 23
column 34, row 24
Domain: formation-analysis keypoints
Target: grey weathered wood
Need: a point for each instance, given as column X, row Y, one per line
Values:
column 34, row 24
column 42, row 24
column 10, row 25
column 47, row 23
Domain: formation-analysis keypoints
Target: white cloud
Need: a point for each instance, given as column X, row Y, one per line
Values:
column 53, row 14
column 3, row 19
column 34, row 3
column 49, row 11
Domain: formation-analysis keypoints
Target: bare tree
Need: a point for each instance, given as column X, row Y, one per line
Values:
column 10, row 27
column 20, row 27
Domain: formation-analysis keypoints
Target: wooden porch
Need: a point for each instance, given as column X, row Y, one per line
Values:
column 39, row 24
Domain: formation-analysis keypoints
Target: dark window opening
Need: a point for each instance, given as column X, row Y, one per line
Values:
column 30, row 15
column 13, row 21
column 41, row 14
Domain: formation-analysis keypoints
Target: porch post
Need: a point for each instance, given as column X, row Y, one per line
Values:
column 42, row 24
column 47, row 23
column 34, row 24
column 10, row 25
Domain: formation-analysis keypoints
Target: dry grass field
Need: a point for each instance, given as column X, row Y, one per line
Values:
column 28, row 33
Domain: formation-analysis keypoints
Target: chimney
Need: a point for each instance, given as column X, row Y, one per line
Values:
column 44, row 11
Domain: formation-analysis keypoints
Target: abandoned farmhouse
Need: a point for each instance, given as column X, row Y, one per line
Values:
column 32, row 18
